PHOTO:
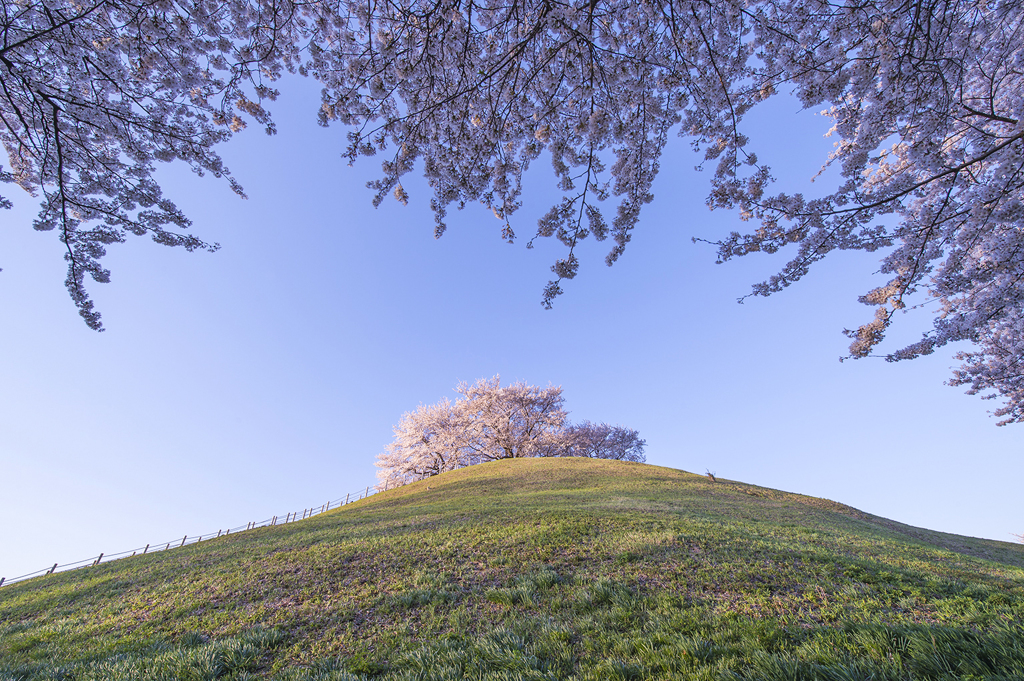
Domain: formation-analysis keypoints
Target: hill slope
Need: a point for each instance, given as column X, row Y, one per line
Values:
column 540, row 569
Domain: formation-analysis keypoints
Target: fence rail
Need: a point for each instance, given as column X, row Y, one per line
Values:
column 176, row 543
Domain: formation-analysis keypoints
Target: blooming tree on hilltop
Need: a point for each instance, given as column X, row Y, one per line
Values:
column 491, row 422
column 428, row 441
column 602, row 441
column 926, row 99
column 511, row 422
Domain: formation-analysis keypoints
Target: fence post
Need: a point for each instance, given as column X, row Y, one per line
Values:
column 274, row 521
column 385, row 485
column 183, row 541
column 98, row 560
column 50, row 571
column 168, row 546
column 367, row 492
column 346, row 499
column 2, row 580
column 218, row 532
column 145, row 550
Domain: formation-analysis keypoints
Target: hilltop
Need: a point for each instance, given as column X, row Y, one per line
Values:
column 540, row 569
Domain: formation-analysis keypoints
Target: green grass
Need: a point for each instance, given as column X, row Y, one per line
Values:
column 540, row 569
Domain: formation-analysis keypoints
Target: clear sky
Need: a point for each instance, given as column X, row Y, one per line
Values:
column 266, row 377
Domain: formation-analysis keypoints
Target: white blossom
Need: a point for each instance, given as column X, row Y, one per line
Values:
column 926, row 103
column 94, row 93
column 491, row 422
column 927, row 117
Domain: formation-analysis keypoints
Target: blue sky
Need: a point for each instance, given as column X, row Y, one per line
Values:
column 266, row 377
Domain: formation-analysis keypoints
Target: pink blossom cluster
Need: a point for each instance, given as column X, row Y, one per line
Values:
column 491, row 422
column 926, row 99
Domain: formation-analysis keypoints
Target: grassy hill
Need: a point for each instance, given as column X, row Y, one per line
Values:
column 540, row 569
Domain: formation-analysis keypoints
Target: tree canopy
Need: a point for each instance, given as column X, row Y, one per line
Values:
column 926, row 99
column 490, row 422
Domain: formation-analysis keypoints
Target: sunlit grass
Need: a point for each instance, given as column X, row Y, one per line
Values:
column 540, row 569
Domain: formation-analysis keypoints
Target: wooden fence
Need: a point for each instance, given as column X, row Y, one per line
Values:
column 289, row 517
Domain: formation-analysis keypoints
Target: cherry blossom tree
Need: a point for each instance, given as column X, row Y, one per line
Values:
column 926, row 99
column 602, row 441
column 925, row 96
column 490, row 422
column 428, row 441
column 94, row 93
column 511, row 422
